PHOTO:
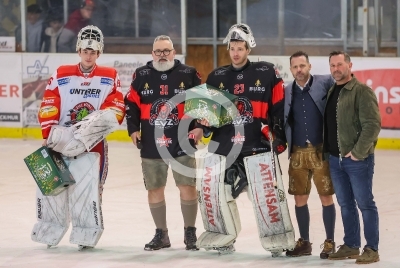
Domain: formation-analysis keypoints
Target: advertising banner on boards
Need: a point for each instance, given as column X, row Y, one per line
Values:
column 10, row 90
column 38, row 68
column 381, row 74
column 7, row 43
column 24, row 78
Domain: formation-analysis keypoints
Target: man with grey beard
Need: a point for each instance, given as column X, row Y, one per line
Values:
column 154, row 112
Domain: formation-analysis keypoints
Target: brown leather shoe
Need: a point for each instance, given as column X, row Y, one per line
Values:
column 328, row 247
column 160, row 240
column 190, row 238
column 302, row 248
column 345, row 252
column 368, row 256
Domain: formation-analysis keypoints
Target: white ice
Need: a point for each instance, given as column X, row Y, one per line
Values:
column 128, row 222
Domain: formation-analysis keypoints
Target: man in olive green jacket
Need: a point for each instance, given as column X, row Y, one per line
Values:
column 351, row 126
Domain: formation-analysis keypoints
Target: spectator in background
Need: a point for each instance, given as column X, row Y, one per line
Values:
column 77, row 20
column 34, row 29
column 52, row 33
column 3, row 32
column 9, row 17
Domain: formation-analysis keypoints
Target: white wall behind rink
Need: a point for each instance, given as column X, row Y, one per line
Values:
column 23, row 77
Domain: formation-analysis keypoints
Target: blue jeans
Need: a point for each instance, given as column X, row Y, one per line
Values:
column 352, row 181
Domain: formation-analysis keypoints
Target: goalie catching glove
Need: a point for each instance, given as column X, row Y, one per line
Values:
column 84, row 135
column 61, row 139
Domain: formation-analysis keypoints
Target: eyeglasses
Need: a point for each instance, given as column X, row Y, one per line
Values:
column 165, row 52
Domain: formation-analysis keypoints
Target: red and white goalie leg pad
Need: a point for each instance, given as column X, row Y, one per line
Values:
column 52, row 218
column 84, row 200
column 218, row 208
column 267, row 193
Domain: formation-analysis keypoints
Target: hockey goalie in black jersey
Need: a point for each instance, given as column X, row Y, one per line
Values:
column 240, row 155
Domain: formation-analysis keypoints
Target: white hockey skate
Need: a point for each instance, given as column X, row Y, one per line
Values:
column 82, row 247
column 225, row 250
column 276, row 254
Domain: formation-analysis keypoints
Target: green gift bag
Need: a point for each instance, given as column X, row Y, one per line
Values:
column 49, row 170
column 207, row 102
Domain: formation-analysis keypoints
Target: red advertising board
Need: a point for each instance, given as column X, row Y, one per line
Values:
column 386, row 84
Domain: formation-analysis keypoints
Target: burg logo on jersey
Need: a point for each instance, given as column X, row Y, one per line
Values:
column 258, row 88
column 181, row 89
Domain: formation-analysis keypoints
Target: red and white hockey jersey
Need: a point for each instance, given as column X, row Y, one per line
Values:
column 71, row 95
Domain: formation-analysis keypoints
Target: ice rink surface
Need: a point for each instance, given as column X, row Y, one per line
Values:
column 128, row 222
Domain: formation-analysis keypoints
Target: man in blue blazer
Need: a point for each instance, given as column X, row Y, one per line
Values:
column 305, row 100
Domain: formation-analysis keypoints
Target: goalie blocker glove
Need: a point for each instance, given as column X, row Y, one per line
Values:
column 278, row 144
column 235, row 175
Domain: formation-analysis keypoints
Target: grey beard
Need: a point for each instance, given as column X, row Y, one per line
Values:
column 165, row 66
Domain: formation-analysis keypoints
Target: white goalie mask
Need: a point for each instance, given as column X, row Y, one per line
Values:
column 240, row 32
column 90, row 37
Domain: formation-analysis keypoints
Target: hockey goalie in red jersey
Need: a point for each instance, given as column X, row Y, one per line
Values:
column 81, row 105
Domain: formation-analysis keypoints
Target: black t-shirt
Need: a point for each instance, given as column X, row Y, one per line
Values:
column 331, row 136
